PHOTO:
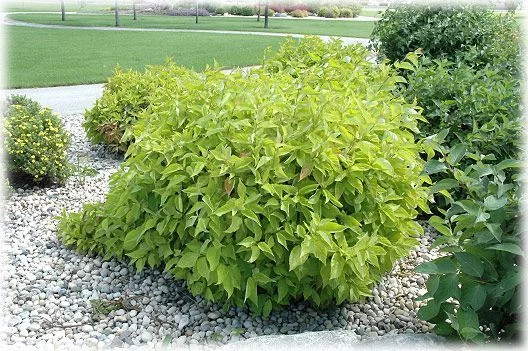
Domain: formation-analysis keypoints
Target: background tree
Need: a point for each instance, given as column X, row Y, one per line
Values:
column 258, row 12
column 116, row 15
column 134, row 9
column 266, row 14
column 63, row 11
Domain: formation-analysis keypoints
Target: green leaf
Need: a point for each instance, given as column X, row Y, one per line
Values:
column 266, row 309
column 202, row 268
column 336, row 266
column 439, row 226
column 509, row 163
column 188, row 260
column 491, row 203
column 510, row 281
column 213, row 256
column 434, row 166
column 404, row 65
column 444, row 184
column 141, row 252
column 495, row 230
column 236, row 222
column 283, row 289
column 262, row 278
column 295, row 258
column 251, row 291
column 468, row 323
column 474, row 296
column 225, row 279
column 456, row 154
column 432, row 284
column 429, row 311
column 438, row 266
column 470, row 263
column 447, row 287
column 132, row 239
column 230, row 206
column 331, row 227
column 508, row 247
column 255, row 253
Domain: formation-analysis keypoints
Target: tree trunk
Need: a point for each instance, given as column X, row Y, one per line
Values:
column 116, row 15
column 134, row 9
column 266, row 14
column 196, row 11
column 63, row 11
column 258, row 12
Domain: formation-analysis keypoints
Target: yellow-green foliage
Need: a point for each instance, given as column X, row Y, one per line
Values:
column 35, row 141
column 125, row 96
column 262, row 188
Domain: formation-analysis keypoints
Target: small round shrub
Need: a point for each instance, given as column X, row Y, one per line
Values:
column 356, row 9
column 36, row 143
column 299, row 13
column 264, row 188
column 448, row 32
column 334, row 12
column 242, row 10
column 323, row 11
column 345, row 12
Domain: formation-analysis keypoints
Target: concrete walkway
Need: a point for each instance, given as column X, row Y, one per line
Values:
column 64, row 99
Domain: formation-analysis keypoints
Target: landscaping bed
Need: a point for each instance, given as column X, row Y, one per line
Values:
column 56, row 296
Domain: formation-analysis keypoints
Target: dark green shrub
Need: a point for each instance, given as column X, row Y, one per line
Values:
column 448, row 32
column 481, row 108
column 264, row 188
column 242, row 10
column 125, row 96
column 35, row 142
column 474, row 290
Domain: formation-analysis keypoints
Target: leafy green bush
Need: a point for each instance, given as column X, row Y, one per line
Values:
column 35, row 141
column 477, row 33
column 299, row 13
column 242, row 10
column 334, row 12
column 355, row 9
column 310, row 53
column 480, row 107
column 346, row 12
column 474, row 289
column 263, row 188
column 125, row 96
column 323, row 11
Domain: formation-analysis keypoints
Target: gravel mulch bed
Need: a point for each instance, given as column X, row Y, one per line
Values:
column 49, row 288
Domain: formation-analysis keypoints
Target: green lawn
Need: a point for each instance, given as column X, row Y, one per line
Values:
column 48, row 57
column 55, row 5
column 360, row 29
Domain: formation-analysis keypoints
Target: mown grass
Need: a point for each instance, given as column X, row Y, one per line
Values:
column 49, row 57
column 360, row 29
